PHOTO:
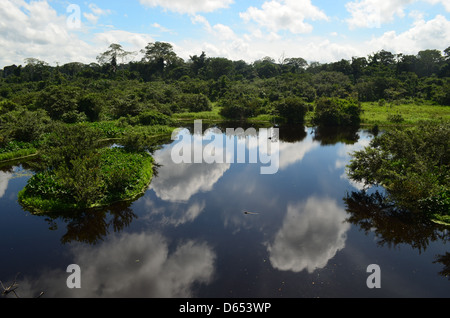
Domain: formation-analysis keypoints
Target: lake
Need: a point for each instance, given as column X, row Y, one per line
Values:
column 227, row 230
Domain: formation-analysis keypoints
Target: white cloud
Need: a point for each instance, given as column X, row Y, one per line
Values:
column 179, row 182
column 290, row 15
column 432, row 34
column 93, row 16
column 98, row 11
column 131, row 41
column 373, row 13
column 445, row 3
column 312, row 233
column 35, row 30
column 130, row 265
column 4, row 180
column 188, row 6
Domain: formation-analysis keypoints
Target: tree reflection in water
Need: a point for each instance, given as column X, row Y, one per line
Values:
column 92, row 226
column 373, row 213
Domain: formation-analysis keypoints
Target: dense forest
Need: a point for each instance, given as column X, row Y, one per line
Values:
column 66, row 112
column 163, row 82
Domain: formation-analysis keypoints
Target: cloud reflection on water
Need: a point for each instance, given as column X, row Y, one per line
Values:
column 130, row 265
column 312, row 233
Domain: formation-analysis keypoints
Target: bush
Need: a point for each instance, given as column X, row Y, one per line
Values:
column 151, row 118
column 194, row 103
column 337, row 112
column 396, row 118
column 67, row 143
column 58, row 100
column 91, row 105
column 412, row 164
column 24, row 125
column 293, row 109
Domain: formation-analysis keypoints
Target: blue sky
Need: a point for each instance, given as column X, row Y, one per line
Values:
column 317, row 30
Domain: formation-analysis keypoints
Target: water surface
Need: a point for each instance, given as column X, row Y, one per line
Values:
column 311, row 233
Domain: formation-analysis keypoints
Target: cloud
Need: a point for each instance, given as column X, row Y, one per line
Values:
column 188, row 6
column 36, row 30
column 174, row 214
column 432, row 34
column 134, row 40
column 312, row 233
column 93, row 16
column 290, row 15
column 293, row 153
column 445, row 3
column 4, row 180
column 179, row 182
column 130, row 265
column 373, row 13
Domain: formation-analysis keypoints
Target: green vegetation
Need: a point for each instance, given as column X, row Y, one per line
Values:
column 337, row 112
column 65, row 115
column 111, row 175
column 413, row 166
column 75, row 172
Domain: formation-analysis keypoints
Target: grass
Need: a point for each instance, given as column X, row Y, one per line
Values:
column 409, row 114
column 387, row 115
column 212, row 115
column 18, row 154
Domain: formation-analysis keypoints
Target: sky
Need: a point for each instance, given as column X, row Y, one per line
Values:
column 59, row 31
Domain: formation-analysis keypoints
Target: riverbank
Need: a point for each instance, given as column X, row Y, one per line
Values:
column 374, row 113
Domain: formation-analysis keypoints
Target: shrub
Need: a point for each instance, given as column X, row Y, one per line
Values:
column 58, row 100
column 91, row 105
column 395, row 118
column 151, row 118
column 337, row 112
column 412, row 164
column 194, row 103
column 293, row 109
column 24, row 125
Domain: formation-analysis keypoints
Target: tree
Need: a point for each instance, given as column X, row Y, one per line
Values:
column 429, row 62
column 447, row 53
column 296, row 64
column 111, row 56
column 58, row 101
column 337, row 112
column 412, row 164
column 358, row 65
column 160, row 54
column 198, row 63
column 293, row 109
column 218, row 67
column 91, row 104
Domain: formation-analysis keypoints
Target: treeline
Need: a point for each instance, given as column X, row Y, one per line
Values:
column 163, row 83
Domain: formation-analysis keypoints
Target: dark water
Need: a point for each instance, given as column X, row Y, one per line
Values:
column 311, row 233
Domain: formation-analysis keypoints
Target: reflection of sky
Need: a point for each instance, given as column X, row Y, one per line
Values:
column 4, row 179
column 344, row 152
column 179, row 182
column 311, row 234
column 191, row 238
column 130, row 265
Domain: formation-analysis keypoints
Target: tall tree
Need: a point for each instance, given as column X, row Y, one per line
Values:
column 111, row 56
column 429, row 62
column 161, row 54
